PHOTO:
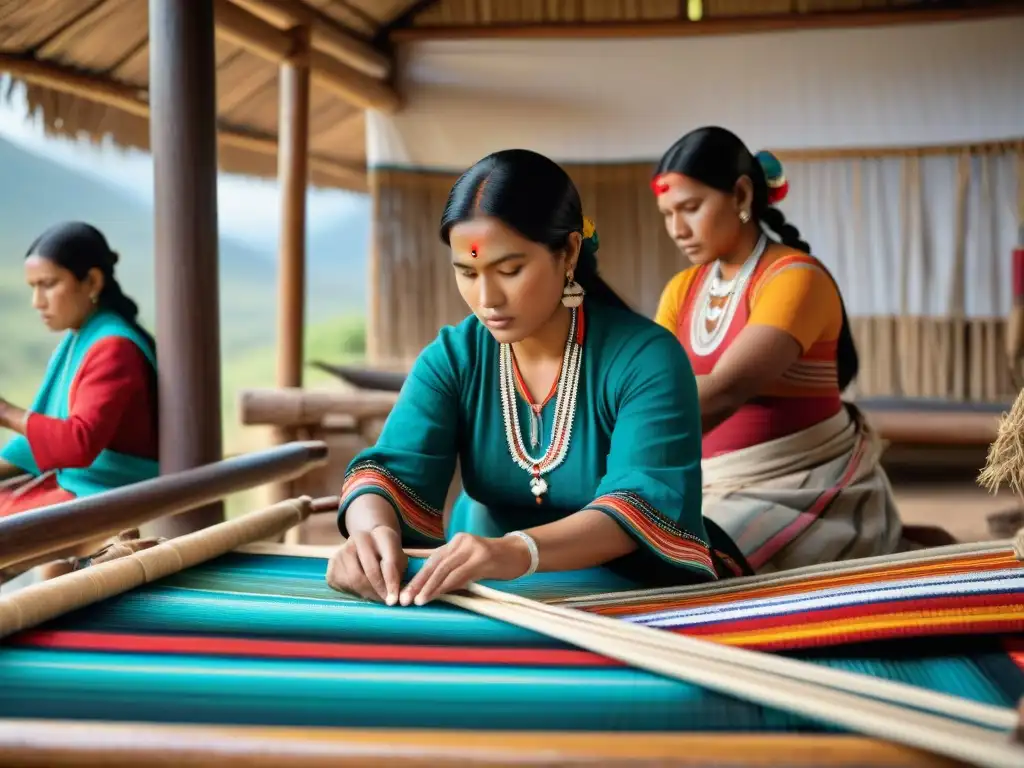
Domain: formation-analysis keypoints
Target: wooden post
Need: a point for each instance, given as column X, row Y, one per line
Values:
column 183, row 136
column 292, row 174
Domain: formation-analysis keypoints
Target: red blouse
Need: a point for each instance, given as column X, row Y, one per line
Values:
column 112, row 404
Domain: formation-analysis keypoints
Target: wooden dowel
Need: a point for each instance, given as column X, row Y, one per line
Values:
column 64, row 744
column 47, row 600
column 299, row 407
column 28, row 535
column 708, row 26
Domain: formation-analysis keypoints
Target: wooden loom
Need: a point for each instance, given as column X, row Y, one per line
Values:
column 887, row 713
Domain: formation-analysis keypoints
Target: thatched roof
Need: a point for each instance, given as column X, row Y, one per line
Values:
column 85, row 63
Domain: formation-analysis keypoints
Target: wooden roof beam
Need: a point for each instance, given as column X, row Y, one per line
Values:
column 720, row 25
column 134, row 100
column 326, row 34
column 248, row 31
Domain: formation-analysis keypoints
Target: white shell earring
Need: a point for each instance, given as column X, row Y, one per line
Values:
column 744, row 217
column 573, row 293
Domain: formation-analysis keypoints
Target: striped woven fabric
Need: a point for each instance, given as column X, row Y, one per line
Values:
column 260, row 639
column 969, row 593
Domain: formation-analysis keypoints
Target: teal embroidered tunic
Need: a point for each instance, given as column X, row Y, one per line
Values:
column 634, row 451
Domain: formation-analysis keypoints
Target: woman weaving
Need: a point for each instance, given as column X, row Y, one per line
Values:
column 574, row 419
column 790, row 472
column 92, row 426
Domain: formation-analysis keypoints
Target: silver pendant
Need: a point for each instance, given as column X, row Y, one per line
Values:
column 538, row 486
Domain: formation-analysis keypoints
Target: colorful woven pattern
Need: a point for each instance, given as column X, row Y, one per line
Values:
column 968, row 593
column 259, row 639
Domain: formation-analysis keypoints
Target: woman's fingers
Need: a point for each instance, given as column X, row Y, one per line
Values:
column 357, row 581
column 345, row 573
column 416, row 582
column 393, row 561
column 369, row 562
column 444, row 567
column 457, row 578
column 392, row 580
column 335, row 572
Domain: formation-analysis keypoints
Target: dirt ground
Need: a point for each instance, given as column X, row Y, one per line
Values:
column 961, row 508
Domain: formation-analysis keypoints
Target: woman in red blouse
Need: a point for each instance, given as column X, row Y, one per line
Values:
column 93, row 425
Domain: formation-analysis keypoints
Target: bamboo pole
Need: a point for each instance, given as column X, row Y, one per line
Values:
column 47, row 600
column 293, row 143
column 293, row 133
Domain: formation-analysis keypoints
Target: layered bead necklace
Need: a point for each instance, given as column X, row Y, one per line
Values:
column 565, row 409
column 718, row 301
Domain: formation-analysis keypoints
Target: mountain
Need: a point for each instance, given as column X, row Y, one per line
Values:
column 37, row 192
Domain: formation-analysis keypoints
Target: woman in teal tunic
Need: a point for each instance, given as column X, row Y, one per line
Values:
column 92, row 426
column 574, row 420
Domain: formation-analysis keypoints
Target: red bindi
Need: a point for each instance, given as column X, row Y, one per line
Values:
column 474, row 251
column 659, row 185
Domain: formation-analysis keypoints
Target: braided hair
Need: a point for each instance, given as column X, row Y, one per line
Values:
column 717, row 158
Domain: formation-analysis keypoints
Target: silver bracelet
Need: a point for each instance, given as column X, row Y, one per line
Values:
column 534, row 553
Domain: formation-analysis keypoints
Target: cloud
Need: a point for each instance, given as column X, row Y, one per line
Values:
column 248, row 209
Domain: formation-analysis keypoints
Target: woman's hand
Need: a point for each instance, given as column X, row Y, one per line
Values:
column 370, row 564
column 465, row 559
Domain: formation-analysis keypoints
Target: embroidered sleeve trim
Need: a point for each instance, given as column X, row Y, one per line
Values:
column 666, row 538
column 368, row 477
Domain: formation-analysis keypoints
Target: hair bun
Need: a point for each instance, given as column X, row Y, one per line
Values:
column 114, row 258
column 778, row 185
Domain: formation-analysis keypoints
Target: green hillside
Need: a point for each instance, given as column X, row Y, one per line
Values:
column 38, row 192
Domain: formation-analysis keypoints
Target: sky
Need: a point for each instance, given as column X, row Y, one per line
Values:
column 248, row 209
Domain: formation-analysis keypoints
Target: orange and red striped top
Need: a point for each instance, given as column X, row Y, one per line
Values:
column 788, row 290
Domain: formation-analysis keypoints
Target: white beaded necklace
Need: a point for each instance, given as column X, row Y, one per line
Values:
column 565, row 410
column 702, row 340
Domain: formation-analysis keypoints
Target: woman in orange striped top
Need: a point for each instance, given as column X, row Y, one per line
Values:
column 789, row 470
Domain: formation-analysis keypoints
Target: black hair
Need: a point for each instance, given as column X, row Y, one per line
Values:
column 80, row 248
column 718, row 158
column 534, row 196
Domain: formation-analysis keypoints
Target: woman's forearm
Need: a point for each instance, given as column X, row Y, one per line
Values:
column 716, row 402
column 12, row 417
column 370, row 511
column 584, row 539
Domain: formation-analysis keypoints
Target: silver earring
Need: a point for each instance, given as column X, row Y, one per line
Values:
column 573, row 293
column 94, row 299
column 744, row 217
